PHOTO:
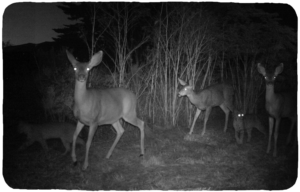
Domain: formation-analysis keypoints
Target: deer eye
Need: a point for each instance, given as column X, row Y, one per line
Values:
column 87, row 69
column 75, row 69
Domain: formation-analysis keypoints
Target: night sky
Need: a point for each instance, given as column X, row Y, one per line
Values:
column 33, row 22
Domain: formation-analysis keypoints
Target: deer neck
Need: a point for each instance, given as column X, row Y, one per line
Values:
column 193, row 98
column 270, row 94
column 80, row 91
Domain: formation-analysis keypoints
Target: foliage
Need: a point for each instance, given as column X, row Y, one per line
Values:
column 55, row 81
column 147, row 47
column 180, row 48
column 248, row 36
column 79, row 35
column 6, row 44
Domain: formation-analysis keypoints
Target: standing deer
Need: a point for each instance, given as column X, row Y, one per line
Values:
column 216, row 95
column 278, row 105
column 94, row 107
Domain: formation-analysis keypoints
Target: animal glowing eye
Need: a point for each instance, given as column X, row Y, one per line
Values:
column 75, row 69
column 87, row 69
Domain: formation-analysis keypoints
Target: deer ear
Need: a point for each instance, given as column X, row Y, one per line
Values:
column 182, row 82
column 279, row 69
column 96, row 59
column 71, row 58
column 261, row 69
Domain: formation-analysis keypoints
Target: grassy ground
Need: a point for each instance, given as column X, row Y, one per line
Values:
column 173, row 161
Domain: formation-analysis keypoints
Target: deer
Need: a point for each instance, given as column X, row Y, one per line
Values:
column 245, row 122
column 215, row 95
column 278, row 105
column 94, row 107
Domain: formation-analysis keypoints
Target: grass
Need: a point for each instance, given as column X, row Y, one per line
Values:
column 173, row 161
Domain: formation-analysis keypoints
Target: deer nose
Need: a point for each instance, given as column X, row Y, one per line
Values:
column 81, row 77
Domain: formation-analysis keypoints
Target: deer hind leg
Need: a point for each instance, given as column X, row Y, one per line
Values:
column 43, row 142
column 276, row 136
column 293, row 121
column 120, row 130
column 239, row 135
column 249, row 133
column 207, row 113
column 226, row 111
column 140, row 124
column 242, row 132
column 296, row 135
column 294, row 125
column 236, row 134
column 66, row 145
column 26, row 144
column 260, row 127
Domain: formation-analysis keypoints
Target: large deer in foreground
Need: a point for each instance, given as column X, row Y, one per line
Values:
column 94, row 107
column 216, row 95
column 278, row 105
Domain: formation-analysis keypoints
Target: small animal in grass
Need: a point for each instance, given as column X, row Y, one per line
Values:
column 42, row 132
column 245, row 122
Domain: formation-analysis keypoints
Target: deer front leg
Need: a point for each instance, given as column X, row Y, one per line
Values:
column 195, row 118
column 271, row 124
column 75, row 135
column 92, row 131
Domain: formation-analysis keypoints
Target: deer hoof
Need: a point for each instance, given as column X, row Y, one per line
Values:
column 75, row 163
